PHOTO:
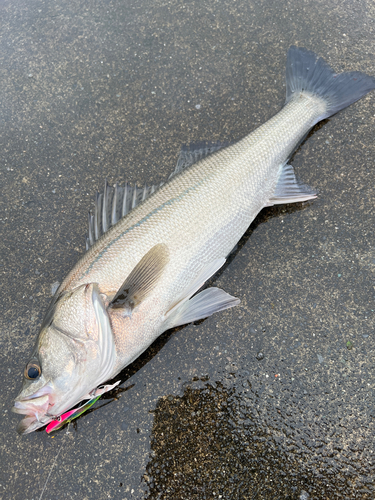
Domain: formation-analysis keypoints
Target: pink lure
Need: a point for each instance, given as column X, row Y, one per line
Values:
column 72, row 414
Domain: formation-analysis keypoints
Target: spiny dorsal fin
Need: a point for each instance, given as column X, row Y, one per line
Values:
column 142, row 280
column 117, row 201
column 113, row 204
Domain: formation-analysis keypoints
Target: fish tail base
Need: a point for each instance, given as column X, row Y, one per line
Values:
column 306, row 72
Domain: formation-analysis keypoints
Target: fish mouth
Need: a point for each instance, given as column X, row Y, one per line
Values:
column 31, row 423
column 35, row 412
column 35, row 408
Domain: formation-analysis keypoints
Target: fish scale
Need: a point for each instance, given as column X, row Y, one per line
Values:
column 141, row 274
column 200, row 214
column 229, row 187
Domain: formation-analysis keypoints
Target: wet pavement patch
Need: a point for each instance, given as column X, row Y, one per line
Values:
column 212, row 442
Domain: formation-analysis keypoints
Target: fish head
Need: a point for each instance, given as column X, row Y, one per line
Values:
column 73, row 354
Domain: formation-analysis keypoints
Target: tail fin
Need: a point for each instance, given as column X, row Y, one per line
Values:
column 305, row 72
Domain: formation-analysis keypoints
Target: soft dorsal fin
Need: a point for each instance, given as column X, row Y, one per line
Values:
column 117, row 201
column 195, row 152
column 142, row 280
column 289, row 190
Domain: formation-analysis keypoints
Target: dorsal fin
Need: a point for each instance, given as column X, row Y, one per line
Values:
column 113, row 204
column 117, row 201
column 195, row 152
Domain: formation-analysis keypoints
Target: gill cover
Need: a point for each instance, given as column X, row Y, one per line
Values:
column 81, row 316
column 75, row 352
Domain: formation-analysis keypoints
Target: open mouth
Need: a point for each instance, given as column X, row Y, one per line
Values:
column 35, row 415
column 35, row 408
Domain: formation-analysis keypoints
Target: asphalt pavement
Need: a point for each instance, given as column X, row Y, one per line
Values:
column 273, row 399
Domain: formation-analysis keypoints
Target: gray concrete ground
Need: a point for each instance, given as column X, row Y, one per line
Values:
column 113, row 89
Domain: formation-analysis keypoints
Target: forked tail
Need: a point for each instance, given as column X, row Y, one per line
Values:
column 306, row 72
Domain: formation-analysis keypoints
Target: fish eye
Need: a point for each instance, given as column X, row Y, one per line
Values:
column 32, row 371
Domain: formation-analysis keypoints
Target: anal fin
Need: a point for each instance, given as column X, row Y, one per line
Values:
column 289, row 189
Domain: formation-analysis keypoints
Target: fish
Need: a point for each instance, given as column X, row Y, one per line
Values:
column 150, row 250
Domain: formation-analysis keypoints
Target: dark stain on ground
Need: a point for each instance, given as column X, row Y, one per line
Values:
column 212, row 443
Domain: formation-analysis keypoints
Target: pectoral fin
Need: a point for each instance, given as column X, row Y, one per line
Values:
column 142, row 280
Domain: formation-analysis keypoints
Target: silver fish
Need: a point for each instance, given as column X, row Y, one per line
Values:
column 150, row 250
